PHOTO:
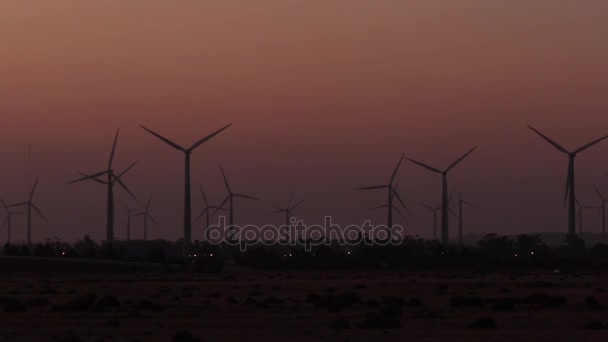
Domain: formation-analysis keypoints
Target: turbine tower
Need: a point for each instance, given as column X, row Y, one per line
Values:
column 146, row 215
column 110, row 181
column 391, row 192
column 460, row 203
column 30, row 205
column 8, row 219
column 602, row 210
column 187, row 198
column 206, row 210
column 570, row 196
column 230, row 198
column 445, row 206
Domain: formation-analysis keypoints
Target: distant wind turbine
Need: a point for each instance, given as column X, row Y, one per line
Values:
column 112, row 179
column 30, row 205
column 230, row 198
column 570, row 196
column 391, row 195
column 146, row 215
column 460, row 203
column 8, row 219
column 602, row 210
column 206, row 210
column 445, row 206
column 187, row 197
column 129, row 215
column 579, row 215
column 434, row 211
column 287, row 210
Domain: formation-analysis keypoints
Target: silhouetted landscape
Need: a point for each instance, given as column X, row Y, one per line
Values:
column 303, row 170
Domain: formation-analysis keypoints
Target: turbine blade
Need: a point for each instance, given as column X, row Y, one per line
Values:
column 5, row 206
column 95, row 175
column 203, row 194
column 470, row 204
column 556, row 145
column 225, row 180
column 200, row 142
column 397, row 168
column 275, row 212
column 295, row 206
column 246, row 196
column 33, row 189
column 38, row 211
column 460, row 159
column 153, row 220
column 427, row 206
column 378, row 207
column 116, row 179
column 586, row 146
column 201, row 215
column 149, row 202
column 113, row 150
column 19, row 204
column 400, row 201
column 372, row 187
column 167, row 141
column 599, row 209
column 127, row 170
column 400, row 214
column 599, row 193
column 221, row 206
column 453, row 212
column 138, row 214
column 93, row 179
column 424, row 165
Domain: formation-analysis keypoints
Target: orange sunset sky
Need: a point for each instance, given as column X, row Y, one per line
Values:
column 325, row 95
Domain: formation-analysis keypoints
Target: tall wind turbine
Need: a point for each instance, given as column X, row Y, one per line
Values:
column 230, row 198
column 30, row 205
column 581, row 209
column 602, row 209
column 8, row 219
column 445, row 206
column 111, row 179
column 287, row 210
column 392, row 193
column 460, row 203
column 570, row 196
column 187, row 197
column 146, row 215
column 206, row 210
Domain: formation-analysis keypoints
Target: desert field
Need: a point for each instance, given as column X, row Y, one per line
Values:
column 243, row 305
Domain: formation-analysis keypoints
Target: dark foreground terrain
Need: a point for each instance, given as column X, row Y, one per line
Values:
column 239, row 304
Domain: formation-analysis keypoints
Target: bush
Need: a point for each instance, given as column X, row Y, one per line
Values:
column 148, row 305
column 340, row 323
column 594, row 325
column 376, row 320
column 483, row 323
column 12, row 305
column 185, row 336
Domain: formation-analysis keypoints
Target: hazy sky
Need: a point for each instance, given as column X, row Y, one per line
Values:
column 325, row 95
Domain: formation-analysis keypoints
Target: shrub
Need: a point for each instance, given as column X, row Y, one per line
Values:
column 483, row 323
column 340, row 323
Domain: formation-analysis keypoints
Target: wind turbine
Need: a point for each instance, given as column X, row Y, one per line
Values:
column 460, row 203
column 287, row 210
column 146, row 215
column 206, row 210
column 434, row 211
column 8, row 219
column 570, row 196
column 30, row 205
column 445, row 206
column 582, row 208
column 602, row 210
column 112, row 179
column 129, row 215
column 230, row 197
column 187, row 198
column 392, row 193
